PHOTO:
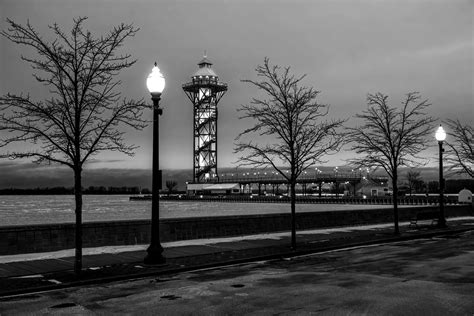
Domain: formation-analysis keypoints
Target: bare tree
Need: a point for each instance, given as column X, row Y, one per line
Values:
column 432, row 186
column 170, row 184
column 415, row 183
column 84, row 111
column 390, row 137
column 292, row 117
column 461, row 147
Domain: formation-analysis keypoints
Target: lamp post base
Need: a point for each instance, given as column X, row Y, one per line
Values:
column 154, row 256
column 153, row 259
column 442, row 224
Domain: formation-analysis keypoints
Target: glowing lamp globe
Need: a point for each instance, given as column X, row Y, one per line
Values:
column 440, row 134
column 155, row 81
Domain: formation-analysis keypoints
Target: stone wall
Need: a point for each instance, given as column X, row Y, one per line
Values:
column 42, row 238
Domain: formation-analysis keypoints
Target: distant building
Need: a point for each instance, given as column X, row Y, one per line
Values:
column 370, row 188
column 465, row 196
column 213, row 188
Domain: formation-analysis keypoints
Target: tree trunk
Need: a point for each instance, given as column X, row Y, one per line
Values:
column 78, row 228
column 395, row 202
column 293, row 213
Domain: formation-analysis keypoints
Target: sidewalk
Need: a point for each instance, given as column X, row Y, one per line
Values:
column 28, row 273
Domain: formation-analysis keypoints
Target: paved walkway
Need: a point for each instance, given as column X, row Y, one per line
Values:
column 43, row 271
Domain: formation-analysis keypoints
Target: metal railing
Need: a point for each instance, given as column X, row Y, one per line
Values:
column 245, row 198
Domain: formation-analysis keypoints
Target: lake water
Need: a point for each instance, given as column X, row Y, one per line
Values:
column 47, row 209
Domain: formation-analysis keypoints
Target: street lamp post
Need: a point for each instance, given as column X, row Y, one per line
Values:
column 440, row 137
column 155, row 84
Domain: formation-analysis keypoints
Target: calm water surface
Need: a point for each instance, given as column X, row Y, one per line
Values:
column 44, row 209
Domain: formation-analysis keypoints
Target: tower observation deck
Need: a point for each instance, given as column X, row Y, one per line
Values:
column 205, row 92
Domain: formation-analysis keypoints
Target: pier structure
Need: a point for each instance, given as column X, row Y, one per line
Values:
column 273, row 183
column 205, row 91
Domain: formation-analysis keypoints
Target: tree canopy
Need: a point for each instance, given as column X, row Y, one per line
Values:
column 81, row 117
column 290, row 114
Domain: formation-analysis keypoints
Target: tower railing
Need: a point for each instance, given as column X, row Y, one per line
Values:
column 203, row 82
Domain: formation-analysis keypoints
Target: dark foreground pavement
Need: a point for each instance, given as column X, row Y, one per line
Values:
column 39, row 275
column 423, row 276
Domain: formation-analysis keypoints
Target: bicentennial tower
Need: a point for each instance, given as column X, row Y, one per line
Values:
column 205, row 91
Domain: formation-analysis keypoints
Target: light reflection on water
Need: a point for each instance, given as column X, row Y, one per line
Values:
column 46, row 209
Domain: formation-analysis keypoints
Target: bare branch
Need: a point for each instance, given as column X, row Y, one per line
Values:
column 390, row 137
column 82, row 117
column 461, row 147
column 291, row 115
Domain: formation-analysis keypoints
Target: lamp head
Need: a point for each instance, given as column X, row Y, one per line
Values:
column 155, row 81
column 440, row 134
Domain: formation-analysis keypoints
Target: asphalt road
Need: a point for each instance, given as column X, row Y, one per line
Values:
column 420, row 277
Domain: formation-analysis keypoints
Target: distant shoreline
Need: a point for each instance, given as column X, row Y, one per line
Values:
column 70, row 191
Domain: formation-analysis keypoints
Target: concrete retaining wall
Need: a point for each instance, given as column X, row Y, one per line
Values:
column 42, row 238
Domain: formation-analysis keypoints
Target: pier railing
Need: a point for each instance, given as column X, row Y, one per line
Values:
column 406, row 200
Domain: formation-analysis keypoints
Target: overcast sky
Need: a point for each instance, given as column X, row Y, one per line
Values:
column 347, row 49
